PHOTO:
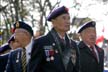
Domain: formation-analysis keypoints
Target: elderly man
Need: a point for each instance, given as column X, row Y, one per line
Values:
column 91, row 56
column 19, row 58
column 55, row 52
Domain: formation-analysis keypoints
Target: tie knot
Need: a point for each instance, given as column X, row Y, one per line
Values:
column 63, row 41
column 23, row 49
column 91, row 47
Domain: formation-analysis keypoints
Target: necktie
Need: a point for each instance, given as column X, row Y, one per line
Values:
column 24, row 60
column 93, row 52
column 63, row 44
column 63, row 41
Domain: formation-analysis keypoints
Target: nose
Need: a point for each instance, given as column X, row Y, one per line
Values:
column 68, row 22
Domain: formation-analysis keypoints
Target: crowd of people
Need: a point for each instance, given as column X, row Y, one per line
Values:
column 55, row 51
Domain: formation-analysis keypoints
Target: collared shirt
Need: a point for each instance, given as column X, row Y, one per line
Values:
column 95, row 51
column 61, row 36
column 28, row 50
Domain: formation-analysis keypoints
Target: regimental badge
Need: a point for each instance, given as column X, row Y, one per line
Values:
column 49, row 52
column 17, row 24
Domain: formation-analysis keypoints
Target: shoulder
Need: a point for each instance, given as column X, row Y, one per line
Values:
column 81, row 44
column 4, row 56
column 73, row 42
column 44, row 39
column 13, row 52
column 99, row 49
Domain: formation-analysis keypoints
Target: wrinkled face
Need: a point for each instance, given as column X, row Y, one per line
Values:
column 62, row 23
column 22, row 37
column 89, row 35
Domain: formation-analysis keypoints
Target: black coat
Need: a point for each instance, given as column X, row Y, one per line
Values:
column 46, row 56
column 88, row 62
column 3, row 62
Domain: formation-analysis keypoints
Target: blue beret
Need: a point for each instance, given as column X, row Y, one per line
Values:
column 23, row 25
column 86, row 25
column 56, row 12
column 11, row 39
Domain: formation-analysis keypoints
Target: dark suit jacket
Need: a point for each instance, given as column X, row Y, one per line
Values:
column 88, row 62
column 3, row 62
column 5, row 48
column 14, row 61
column 41, row 60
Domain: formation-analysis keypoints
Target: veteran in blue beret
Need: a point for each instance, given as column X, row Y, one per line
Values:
column 91, row 56
column 54, row 50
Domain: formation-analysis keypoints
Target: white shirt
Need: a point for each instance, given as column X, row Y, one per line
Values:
column 61, row 36
column 28, row 50
column 95, row 52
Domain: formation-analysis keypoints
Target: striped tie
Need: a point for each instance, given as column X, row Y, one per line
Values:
column 93, row 52
column 24, row 60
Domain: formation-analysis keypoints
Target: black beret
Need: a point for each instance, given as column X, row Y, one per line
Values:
column 11, row 39
column 56, row 12
column 23, row 25
column 86, row 25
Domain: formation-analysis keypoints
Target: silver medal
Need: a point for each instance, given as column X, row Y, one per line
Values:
column 52, row 58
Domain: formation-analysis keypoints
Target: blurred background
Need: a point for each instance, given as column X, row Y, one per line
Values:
column 34, row 12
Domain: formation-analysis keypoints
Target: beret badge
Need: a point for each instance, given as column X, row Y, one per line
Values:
column 17, row 24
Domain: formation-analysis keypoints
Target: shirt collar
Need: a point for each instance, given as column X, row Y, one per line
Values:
column 29, row 46
column 61, row 36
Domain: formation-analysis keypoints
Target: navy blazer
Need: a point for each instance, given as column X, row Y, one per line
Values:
column 88, row 62
column 3, row 61
column 4, row 48
column 41, row 61
column 14, row 61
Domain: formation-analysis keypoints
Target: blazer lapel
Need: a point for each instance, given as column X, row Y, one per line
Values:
column 58, row 56
column 100, row 54
column 87, row 49
column 18, row 60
